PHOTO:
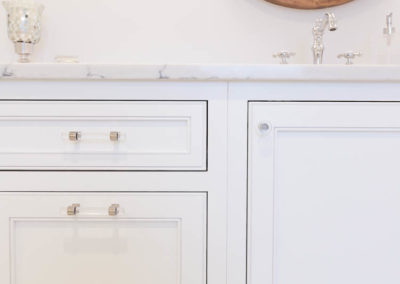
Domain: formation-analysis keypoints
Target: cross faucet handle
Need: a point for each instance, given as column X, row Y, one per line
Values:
column 284, row 56
column 350, row 56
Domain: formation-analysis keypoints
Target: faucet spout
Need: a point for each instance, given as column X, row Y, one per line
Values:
column 331, row 21
column 320, row 25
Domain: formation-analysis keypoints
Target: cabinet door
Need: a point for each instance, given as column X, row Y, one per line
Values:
column 324, row 193
column 154, row 238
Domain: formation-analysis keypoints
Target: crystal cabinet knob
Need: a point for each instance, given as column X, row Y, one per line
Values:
column 284, row 56
column 350, row 56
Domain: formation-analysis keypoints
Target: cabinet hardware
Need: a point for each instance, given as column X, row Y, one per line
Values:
column 74, row 135
column 114, row 136
column 113, row 210
column 263, row 126
column 73, row 209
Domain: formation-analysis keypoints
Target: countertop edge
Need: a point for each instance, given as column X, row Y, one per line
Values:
column 225, row 73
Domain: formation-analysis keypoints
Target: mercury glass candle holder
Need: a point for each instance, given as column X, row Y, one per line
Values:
column 24, row 25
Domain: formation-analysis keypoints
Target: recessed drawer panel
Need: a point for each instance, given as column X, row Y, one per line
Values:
column 103, row 238
column 117, row 135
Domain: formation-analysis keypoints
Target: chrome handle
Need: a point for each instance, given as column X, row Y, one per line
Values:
column 349, row 56
column 73, row 209
column 114, row 136
column 113, row 210
column 74, row 136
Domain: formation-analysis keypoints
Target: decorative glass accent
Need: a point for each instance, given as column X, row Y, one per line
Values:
column 24, row 25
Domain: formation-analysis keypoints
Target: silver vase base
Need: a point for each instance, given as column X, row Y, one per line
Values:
column 24, row 50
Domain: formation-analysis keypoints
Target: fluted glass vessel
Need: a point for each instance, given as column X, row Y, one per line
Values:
column 24, row 27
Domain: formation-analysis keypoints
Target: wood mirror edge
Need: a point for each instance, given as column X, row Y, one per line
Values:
column 309, row 4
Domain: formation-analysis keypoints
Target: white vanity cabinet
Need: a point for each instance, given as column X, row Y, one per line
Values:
column 155, row 149
column 324, row 192
column 223, row 174
column 151, row 238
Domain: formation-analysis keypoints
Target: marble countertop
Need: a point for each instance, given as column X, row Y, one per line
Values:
column 61, row 71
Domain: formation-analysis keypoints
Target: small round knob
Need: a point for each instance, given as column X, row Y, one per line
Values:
column 264, row 128
column 284, row 56
column 349, row 56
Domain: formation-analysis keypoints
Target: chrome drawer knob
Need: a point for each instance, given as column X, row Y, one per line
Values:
column 74, row 136
column 113, row 210
column 73, row 209
column 114, row 136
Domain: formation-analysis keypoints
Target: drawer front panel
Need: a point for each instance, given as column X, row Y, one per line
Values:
column 126, row 135
column 154, row 238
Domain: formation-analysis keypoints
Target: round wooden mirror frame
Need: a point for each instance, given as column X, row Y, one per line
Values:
column 309, row 4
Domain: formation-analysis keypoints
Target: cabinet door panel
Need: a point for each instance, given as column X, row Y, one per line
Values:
column 155, row 238
column 324, row 193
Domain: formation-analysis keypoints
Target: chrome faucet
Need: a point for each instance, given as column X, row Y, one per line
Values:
column 319, row 27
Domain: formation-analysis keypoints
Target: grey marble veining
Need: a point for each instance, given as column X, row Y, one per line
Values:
column 165, row 72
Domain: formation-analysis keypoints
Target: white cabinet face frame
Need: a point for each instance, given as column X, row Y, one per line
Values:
column 156, row 237
column 153, row 135
column 323, row 192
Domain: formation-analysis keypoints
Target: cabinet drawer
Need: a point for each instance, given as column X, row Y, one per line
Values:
column 103, row 135
column 154, row 238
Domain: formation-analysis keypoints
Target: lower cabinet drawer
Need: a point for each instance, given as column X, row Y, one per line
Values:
column 103, row 135
column 150, row 238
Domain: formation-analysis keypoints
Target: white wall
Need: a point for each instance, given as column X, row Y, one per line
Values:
column 203, row 31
